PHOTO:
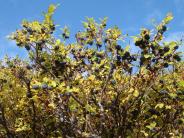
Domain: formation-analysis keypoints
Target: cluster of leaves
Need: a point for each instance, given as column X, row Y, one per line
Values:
column 88, row 88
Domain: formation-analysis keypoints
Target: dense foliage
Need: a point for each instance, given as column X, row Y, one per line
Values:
column 93, row 87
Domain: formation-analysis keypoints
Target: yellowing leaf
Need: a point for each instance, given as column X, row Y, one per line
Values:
column 53, row 83
column 45, row 79
column 51, row 9
column 35, row 98
column 168, row 107
column 145, row 134
column 52, row 105
column 136, row 93
column 92, row 77
column 168, row 18
column 127, row 48
column 181, row 83
column 160, row 105
column 148, row 55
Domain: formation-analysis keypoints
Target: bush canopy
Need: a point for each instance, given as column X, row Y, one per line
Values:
column 92, row 87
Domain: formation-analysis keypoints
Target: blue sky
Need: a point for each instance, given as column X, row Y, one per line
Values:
column 129, row 15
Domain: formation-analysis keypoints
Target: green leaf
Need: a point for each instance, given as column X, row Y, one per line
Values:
column 145, row 134
column 52, row 105
column 127, row 48
column 53, row 83
column 168, row 18
column 173, row 95
column 168, row 107
column 85, row 24
column 148, row 55
column 51, row 9
column 181, row 83
column 152, row 125
column 172, row 44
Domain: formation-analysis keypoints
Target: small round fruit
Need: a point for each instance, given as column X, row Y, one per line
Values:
column 50, row 88
column 112, row 66
column 62, row 64
column 118, row 57
column 166, row 49
column 28, row 67
column 67, row 93
column 118, row 47
column 163, row 92
column 147, row 37
column 153, row 60
column 29, row 95
column 138, row 42
column 113, row 82
column 19, row 44
column 152, row 47
column 29, row 30
column 133, row 58
column 161, row 52
column 166, row 65
column 161, row 81
column 105, row 40
column 99, row 45
column 52, row 27
column 153, row 111
column 176, row 47
column 27, row 47
column 56, row 48
column 164, row 28
column 44, row 86
column 90, row 42
column 177, row 57
column 35, row 87
column 126, row 54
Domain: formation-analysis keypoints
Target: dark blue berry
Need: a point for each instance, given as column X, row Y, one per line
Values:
column 36, row 87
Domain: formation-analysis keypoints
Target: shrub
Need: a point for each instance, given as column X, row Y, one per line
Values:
column 93, row 87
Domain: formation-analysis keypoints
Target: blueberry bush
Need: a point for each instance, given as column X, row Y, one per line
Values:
column 94, row 86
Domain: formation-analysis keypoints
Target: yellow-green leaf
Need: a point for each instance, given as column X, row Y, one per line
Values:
column 160, row 105
column 136, row 93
